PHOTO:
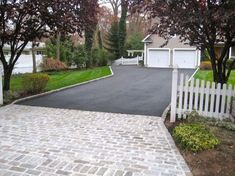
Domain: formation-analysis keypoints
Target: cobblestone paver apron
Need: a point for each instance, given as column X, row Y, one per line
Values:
column 48, row 142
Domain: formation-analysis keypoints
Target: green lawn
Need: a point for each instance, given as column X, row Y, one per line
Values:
column 65, row 78
column 208, row 76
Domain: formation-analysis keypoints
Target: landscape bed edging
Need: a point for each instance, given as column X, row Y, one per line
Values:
column 63, row 88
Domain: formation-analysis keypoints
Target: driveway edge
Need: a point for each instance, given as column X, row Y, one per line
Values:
column 63, row 88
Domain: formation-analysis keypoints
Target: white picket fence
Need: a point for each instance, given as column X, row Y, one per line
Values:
column 206, row 98
column 128, row 61
column 1, row 89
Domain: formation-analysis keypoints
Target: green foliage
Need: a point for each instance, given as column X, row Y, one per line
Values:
column 50, row 64
column 194, row 117
column 79, row 56
column 134, row 42
column 64, row 78
column 102, row 57
column 66, row 49
column 112, row 40
column 194, row 137
column 100, row 42
column 34, row 82
column 229, row 62
column 207, row 75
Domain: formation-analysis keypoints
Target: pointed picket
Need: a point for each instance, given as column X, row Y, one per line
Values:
column 186, row 95
column 196, row 95
column 207, row 94
column 217, row 107
column 228, row 103
column 202, row 88
column 191, row 95
column 212, row 100
column 181, row 87
column 223, row 97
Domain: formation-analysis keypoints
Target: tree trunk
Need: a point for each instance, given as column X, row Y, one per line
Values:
column 7, row 78
column 34, row 57
column 58, row 37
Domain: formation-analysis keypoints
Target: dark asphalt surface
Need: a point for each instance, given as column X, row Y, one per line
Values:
column 132, row 90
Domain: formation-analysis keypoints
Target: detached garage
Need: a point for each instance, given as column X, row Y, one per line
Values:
column 173, row 53
column 186, row 57
column 159, row 57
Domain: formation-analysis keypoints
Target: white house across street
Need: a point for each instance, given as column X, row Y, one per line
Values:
column 25, row 62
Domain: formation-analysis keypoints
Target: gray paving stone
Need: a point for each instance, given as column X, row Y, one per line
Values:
column 61, row 172
column 33, row 172
column 50, row 142
column 17, row 169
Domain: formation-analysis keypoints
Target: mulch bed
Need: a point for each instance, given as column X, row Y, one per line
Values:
column 217, row 162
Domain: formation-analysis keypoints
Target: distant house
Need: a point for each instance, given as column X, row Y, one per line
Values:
column 25, row 62
column 173, row 53
column 218, row 50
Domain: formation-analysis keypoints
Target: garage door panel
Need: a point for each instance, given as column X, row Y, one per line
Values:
column 158, row 58
column 185, row 58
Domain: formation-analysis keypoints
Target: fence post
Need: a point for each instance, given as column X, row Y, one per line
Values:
column 1, row 90
column 122, row 60
column 137, row 59
column 174, row 94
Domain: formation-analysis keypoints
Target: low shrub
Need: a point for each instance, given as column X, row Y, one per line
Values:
column 205, row 65
column 34, row 82
column 227, row 124
column 229, row 62
column 100, row 57
column 50, row 64
column 194, row 137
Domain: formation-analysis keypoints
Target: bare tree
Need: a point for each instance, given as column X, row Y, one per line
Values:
column 115, row 4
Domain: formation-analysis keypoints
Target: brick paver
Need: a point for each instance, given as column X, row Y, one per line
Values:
column 48, row 142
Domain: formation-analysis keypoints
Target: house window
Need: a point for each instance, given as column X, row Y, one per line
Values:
column 6, row 53
column 25, row 52
column 39, row 53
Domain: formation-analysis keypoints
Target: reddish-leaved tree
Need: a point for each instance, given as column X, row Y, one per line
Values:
column 22, row 21
column 202, row 23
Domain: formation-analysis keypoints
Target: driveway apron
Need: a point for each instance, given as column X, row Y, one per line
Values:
column 48, row 142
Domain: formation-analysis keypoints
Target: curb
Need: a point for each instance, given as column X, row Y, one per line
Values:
column 63, row 88
column 164, row 114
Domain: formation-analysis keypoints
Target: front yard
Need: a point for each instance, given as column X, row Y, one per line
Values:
column 64, row 78
column 208, row 76
column 57, row 80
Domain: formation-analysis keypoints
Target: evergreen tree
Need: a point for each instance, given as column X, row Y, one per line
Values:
column 112, row 40
column 100, row 42
column 89, row 33
column 122, row 27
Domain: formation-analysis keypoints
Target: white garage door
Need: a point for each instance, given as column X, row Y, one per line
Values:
column 158, row 57
column 185, row 58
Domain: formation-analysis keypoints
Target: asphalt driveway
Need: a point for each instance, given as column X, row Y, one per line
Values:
column 132, row 90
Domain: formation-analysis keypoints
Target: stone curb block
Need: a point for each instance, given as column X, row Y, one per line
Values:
column 63, row 88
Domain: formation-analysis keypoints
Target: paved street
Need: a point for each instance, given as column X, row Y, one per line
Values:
column 48, row 142
column 132, row 90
